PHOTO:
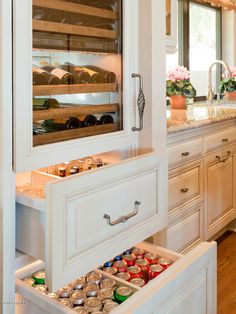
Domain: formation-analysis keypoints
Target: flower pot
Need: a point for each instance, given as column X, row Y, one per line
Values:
column 231, row 96
column 178, row 102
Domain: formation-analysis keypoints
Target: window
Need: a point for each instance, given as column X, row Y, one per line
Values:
column 199, row 43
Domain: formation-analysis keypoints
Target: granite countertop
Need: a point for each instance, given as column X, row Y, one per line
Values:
column 198, row 115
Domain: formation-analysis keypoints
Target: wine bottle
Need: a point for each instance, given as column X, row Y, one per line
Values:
column 79, row 75
column 109, row 77
column 42, row 77
column 45, row 103
column 94, row 75
column 73, row 123
column 90, row 120
column 64, row 76
column 105, row 119
column 51, row 126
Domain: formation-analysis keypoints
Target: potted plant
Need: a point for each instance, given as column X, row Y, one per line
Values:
column 179, row 87
column 228, row 85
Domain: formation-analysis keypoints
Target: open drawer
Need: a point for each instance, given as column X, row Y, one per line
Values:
column 187, row 286
column 71, row 230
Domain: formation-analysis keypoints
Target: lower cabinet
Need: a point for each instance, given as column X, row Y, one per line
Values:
column 220, row 190
column 187, row 286
column 185, row 228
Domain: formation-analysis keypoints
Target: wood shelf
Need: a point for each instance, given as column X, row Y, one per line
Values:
column 43, row 90
column 76, row 8
column 70, row 29
column 60, row 136
column 73, row 111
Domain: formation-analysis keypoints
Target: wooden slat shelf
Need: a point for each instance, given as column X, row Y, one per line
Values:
column 43, row 90
column 221, row 3
column 74, row 111
column 60, row 136
column 70, row 29
column 76, row 8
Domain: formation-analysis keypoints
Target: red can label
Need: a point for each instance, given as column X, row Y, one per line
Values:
column 164, row 262
column 151, row 258
column 154, row 271
column 129, row 259
column 135, row 272
column 144, row 265
column 139, row 253
column 121, row 266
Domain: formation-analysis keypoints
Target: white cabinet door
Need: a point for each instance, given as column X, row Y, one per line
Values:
column 75, row 229
column 188, row 286
column 220, row 190
column 32, row 19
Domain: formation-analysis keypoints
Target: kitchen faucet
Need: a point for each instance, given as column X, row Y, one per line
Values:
column 210, row 95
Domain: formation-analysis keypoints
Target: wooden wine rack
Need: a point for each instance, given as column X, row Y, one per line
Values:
column 60, row 136
column 73, row 111
column 76, row 8
column 42, row 90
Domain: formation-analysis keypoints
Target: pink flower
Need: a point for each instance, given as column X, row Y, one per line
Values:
column 233, row 72
column 180, row 73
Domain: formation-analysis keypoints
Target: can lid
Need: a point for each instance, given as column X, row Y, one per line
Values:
column 53, row 296
column 124, row 291
column 92, row 304
column 129, row 257
column 80, row 294
column 134, row 269
column 41, row 288
column 164, row 261
column 138, row 282
column 30, row 281
column 80, row 310
column 124, row 276
column 142, row 262
column 150, row 256
column 109, row 306
column 156, row 268
column 120, row 264
column 93, row 276
column 105, row 293
column 110, row 270
column 66, row 302
column 107, row 283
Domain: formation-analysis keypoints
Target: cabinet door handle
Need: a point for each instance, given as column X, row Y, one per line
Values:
column 185, row 154
column 225, row 140
column 140, row 102
column 219, row 159
column 184, row 190
column 123, row 219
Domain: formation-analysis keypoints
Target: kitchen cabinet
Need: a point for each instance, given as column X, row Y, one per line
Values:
column 220, row 190
column 187, row 284
column 81, row 80
column 201, row 184
column 171, row 25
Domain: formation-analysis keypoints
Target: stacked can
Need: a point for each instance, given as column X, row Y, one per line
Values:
column 89, row 294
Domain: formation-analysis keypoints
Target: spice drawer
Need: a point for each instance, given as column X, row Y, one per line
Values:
column 191, row 279
column 184, row 152
column 219, row 139
column 82, row 216
column 184, row 186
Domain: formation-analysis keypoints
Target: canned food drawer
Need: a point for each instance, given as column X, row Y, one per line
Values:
column 189, row 284
column 89, row 213
column 184, row 152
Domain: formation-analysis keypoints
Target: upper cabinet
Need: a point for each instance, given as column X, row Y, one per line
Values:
column 76, row 79
column 171, row 25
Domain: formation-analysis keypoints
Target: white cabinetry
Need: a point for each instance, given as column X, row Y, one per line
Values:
column 220, row 189
column 202, row 186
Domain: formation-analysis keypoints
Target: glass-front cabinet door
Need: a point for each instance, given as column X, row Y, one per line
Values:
column 74, row 94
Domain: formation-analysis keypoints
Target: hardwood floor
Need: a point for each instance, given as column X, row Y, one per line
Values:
column 226, row 273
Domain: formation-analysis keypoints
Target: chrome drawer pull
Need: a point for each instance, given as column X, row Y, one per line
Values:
column 225, row 158
column 123, row 219
column 225, row 140
column 185, row 190
column 186, row 154
column 140, row 102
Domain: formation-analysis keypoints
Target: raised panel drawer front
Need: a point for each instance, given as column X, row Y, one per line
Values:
column 188, row 286
column 219, row 139
column 184, row 187
column 185, row 232
column 96, row 215
column 184, row 152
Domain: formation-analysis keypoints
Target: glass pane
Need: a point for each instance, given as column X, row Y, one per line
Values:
column 168, row 17
column 203, row 45
column 77, row 69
